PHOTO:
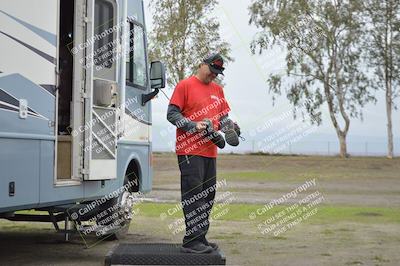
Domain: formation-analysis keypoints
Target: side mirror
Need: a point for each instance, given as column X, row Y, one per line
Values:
column 157, row 80
column 157, row 75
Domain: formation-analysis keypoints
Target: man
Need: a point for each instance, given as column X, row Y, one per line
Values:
column 198, row 109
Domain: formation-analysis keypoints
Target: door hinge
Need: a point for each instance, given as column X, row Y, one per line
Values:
column 57, row 78
column 84, row 171
column 87, row 20
column 84, row 95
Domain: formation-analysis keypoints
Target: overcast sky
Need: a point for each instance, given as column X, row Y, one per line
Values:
column 247, row 91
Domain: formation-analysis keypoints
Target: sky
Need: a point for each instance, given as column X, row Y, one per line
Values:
column 253, row 108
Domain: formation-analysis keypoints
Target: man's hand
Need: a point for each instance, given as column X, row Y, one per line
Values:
column 200, row 126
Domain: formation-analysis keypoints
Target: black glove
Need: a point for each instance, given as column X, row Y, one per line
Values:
column 236, row 128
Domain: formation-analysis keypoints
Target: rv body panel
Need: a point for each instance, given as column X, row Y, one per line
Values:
column 40, row 104
column 28, row 38
column 137, row 119
column 136, row 151
column 28, row 52
column 19, row 164
column 29, row 43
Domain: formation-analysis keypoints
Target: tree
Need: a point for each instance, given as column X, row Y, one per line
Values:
column 323, row 62
column 382, row 43
column 183, row 34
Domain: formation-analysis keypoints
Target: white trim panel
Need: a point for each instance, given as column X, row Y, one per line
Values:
column 102, row 169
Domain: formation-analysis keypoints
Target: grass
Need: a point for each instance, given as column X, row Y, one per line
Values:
column 331, row 214
column 31, row 212
column 250, row 175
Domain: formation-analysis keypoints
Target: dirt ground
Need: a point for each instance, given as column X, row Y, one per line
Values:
column 356, row 182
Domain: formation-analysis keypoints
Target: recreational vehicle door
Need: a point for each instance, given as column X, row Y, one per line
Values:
column 100, row 90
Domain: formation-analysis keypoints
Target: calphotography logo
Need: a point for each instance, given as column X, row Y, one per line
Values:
column 165, row 132
column 106, row 216
column 293, row 210
column 214, row 97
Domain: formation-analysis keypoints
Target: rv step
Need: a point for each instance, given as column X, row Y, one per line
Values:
column 82, row 211
column 160, row 254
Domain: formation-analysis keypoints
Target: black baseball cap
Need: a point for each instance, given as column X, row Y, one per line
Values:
column 215, row 63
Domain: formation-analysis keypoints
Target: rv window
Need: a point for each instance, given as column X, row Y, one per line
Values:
column 136, row 72
column 103, row 33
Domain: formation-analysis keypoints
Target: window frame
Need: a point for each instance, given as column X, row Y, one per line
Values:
column 105, row 72
column 131, row 25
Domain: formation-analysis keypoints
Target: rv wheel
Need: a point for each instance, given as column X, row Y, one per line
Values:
column 121, row 213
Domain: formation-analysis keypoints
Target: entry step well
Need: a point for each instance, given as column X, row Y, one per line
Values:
column 160, row 254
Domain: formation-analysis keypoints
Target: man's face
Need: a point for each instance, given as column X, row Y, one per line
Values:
column 207, row 74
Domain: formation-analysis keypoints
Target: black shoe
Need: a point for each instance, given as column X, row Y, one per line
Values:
column 198, row 248
column 213, row 135
column 232, row 132
column 212, row 244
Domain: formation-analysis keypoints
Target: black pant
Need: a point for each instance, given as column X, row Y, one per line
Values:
column 198, row 179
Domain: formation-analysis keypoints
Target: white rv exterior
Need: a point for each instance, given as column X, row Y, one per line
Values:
column 73, row 126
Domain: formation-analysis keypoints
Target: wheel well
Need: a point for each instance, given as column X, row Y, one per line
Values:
column 133, row 175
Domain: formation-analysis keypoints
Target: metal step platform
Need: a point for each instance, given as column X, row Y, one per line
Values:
column 160, row 254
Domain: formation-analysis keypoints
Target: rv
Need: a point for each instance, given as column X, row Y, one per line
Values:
column 75, row 110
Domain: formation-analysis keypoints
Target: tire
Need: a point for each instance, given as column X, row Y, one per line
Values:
column 122, row 212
